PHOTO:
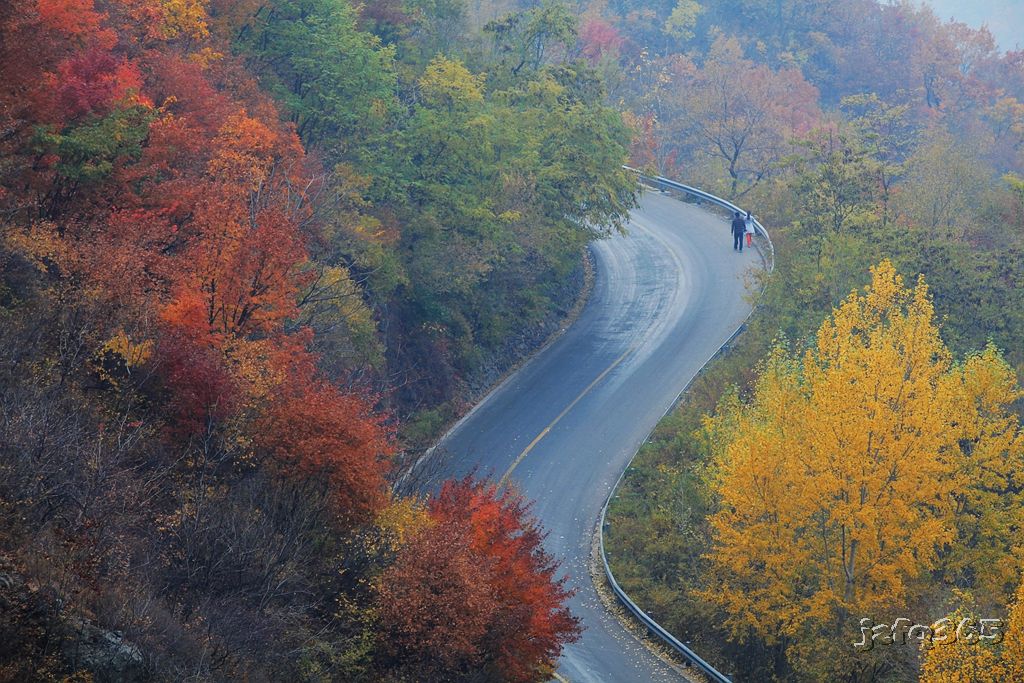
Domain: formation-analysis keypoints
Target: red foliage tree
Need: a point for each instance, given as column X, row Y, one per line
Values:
column 525, row 617
column 202, row 391
column 245, row 258
column 313, row 430
column 599, row 38
column 74, row 19
column 92, row 82
column 436, row 605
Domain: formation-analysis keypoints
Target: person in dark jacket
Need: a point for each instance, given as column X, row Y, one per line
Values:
column 739, row 227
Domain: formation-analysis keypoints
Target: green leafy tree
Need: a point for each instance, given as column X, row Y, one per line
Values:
column 939, row 194
column 89, row 152
column 681, row 22
column 889, row 135
column 525, row 41
column 337, row 82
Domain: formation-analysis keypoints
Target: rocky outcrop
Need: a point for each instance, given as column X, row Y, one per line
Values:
column 41, row 640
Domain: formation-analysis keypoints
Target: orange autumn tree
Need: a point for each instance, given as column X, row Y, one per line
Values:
column 843, row 482
column 245, row 268
column 312, row 430
column 170, row 264
column 244, row 260
column 179, row 206
column 480, row 563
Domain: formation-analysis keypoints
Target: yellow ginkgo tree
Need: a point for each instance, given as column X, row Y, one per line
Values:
column 981, row 662
column 843, row 481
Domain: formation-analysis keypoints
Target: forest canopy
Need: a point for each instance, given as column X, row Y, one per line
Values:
column 252, row 254
column 861, row 133
column 255, row 255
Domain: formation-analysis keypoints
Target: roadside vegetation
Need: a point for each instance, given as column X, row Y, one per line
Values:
column 250, row 252
column 791, row 494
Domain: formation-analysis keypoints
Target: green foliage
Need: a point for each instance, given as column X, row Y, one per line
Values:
column 834, row 185
column 465, row 197
column 524, row 41
column 438, row 28
column 87, row 153
column 681, row 22
column 337, row 82
column 498, row 192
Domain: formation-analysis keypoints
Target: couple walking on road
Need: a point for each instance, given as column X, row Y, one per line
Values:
column 742, row 226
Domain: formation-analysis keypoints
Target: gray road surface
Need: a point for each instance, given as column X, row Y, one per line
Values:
column 666, row 297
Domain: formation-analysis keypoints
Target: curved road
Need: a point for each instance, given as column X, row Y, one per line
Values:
column 665, row 298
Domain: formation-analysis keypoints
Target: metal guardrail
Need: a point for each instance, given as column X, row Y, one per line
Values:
column 654, row 627
column 711, row 199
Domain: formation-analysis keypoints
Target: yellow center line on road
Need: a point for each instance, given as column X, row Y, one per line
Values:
column 544, row 432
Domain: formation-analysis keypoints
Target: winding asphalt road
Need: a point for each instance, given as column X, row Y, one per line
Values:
column 563, row 427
